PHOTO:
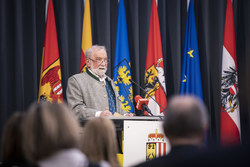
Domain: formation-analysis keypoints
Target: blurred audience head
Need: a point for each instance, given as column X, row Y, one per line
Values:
column 12, row 139
column 99, row 141
column 186, row 120
column 48, row 128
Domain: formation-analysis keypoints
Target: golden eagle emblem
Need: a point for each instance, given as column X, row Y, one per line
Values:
column 124, row 74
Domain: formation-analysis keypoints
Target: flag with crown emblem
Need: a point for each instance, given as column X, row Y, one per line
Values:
column 155, row 86
column 50, row 88
column 191, row 75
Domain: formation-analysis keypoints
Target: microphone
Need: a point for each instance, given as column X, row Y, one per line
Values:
column 140, row 101
column 142, row 104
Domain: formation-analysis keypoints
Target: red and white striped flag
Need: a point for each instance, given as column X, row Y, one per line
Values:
column 230, row 111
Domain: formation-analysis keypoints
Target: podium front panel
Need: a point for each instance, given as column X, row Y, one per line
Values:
column 143, row 140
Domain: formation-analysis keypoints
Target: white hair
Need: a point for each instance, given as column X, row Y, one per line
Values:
column 89, row 52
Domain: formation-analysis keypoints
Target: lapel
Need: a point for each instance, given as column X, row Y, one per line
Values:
column 93, row 76
column 108, row 81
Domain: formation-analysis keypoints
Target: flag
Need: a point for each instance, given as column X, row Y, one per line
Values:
column 230, row 113
column 86, row 35
column 191, row 75
column 122, row 72
column 50, row 87
column 155, row 88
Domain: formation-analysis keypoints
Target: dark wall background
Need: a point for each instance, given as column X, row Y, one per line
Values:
column 22, row 25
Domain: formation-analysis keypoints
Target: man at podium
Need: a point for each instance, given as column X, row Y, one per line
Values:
column 92, row 93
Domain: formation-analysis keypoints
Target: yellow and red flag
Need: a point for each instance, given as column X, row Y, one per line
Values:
column 50, row 87
column 86, row 35
column 154, row 76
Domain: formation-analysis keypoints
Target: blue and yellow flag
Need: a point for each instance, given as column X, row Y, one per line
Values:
column 191, row 75
column 122, row 74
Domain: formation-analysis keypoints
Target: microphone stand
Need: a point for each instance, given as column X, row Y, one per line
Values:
column 145, row 107
column 145, row 92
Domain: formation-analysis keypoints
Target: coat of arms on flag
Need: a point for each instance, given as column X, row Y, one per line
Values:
column 155, row 86
column 51, row 84
column 123, row 85
column 50, row 88
column 154, row 79
column 156, row 146
column 122, row 72
column 229, row 91
column 230, row 110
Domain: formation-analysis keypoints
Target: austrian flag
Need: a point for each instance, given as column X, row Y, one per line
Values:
column 230, row 112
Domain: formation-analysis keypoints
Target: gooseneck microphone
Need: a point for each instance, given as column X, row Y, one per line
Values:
column 142, row 104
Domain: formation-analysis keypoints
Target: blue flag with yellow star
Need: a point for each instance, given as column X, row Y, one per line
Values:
column 122, row 73
column 191, row 75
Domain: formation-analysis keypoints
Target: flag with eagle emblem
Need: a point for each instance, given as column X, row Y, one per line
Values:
column 230, row 112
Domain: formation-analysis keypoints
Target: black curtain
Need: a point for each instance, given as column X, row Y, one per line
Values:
column 21, row 40
column 243, row 59
column 22, row 25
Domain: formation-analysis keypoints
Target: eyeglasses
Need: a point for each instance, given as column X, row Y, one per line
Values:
column 99, row 61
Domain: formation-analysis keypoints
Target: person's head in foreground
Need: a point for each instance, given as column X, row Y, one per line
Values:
column 186, row 120
column 99, row 141
column 12, row 137
column 51, row 136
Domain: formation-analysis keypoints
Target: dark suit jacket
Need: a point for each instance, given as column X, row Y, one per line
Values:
column 193, row 156
column 228, row 156
column 176, row 154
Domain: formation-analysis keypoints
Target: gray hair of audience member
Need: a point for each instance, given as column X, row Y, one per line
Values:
column 90, row 51
column 48, row 128
column 185, row 117
column 12, row 138
column 99, row 141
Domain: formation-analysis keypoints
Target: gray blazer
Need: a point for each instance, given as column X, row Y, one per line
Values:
column 86, row 95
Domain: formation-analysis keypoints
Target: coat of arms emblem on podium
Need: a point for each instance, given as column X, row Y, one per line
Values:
column 156, row 146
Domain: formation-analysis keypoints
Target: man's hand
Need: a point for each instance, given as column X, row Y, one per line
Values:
column 129, row 115
column 106, row 113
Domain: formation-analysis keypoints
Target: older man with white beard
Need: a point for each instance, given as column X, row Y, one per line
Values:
column 92, row 93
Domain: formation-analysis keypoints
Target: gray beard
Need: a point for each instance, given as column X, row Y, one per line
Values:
column 97, row 71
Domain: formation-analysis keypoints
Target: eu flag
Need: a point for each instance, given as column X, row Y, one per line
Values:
column 191, row 75
column 122, row 74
